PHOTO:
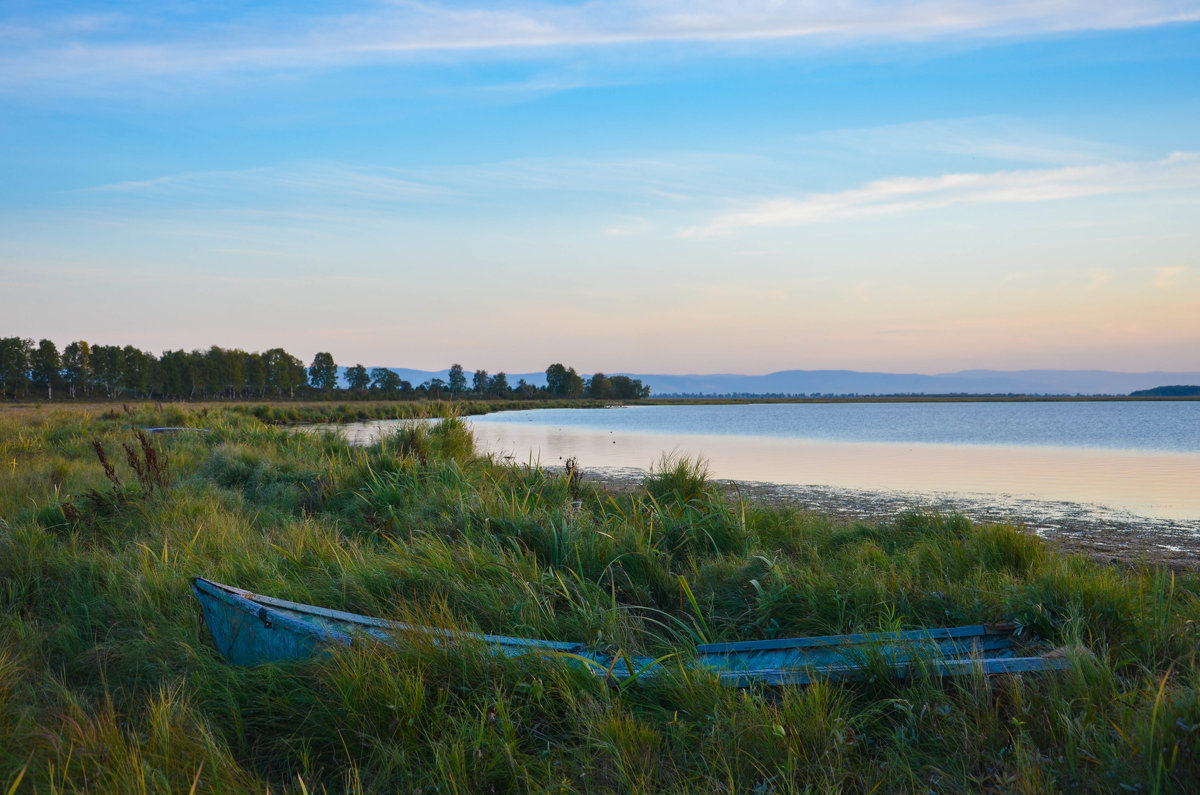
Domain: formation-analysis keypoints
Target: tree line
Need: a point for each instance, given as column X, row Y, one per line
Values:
column 81, row 370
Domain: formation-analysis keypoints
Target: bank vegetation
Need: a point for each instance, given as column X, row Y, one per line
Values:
column 110, row 683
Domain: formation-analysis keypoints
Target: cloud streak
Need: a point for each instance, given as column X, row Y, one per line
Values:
column 325, row 183
column 987, row 137
column 1168, row 278
column 1180, row 170
column 53, row 47
column 675, row 178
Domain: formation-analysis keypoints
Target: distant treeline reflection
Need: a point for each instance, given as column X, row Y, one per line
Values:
column 82, row 370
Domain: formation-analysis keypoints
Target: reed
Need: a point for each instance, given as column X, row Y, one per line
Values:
column 109, row 683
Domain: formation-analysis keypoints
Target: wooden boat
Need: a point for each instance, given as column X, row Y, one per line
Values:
column 952, row 651
column 250, row 628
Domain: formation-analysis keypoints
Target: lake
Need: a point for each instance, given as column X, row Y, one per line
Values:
column 1138, row 457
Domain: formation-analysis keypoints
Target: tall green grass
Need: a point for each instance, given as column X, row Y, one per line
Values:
column 361, row 411
column 109, row 682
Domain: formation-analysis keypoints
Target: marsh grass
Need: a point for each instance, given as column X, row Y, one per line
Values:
column 678, row 479
column 109, row 682
column 360, row 411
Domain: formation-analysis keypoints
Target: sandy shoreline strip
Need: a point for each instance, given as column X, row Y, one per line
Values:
column 1104, row 534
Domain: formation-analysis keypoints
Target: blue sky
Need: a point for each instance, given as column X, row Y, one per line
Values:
column 651, row 186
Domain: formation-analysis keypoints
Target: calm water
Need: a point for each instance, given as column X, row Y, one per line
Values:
column 1159, row 427
column 1138, row 457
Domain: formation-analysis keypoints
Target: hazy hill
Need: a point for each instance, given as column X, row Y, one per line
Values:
column 1174, row 390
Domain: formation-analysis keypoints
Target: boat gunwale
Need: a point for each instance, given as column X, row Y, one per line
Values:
column 220, row 590
column 804, row 675
column 996, row 631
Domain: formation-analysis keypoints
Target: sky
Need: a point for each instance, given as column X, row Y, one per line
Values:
column 652, row 186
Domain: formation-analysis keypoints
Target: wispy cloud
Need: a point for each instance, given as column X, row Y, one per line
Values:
column 55, row 47
column 628, row 227
column 1167, row 278
column 987, row 137
column 910, row 194
column 1098, row 277
column 250, row 252
column 672, row 178
column 324, row 182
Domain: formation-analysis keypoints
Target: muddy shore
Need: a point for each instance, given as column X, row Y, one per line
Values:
column 1104, row 534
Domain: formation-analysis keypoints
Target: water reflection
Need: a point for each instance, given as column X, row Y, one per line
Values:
column 1151, row 484
column 1163, row 485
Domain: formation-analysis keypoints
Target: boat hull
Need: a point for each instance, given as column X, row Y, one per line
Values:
column 250, row 633
column 250, row 629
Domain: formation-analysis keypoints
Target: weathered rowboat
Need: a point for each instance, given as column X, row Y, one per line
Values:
column 250, row 628
column 952, row 651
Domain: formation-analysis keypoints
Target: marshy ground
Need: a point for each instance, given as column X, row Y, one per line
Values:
column 1104, row 534
column 109, row 683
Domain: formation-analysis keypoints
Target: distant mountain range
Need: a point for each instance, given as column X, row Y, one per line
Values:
column 852, row 382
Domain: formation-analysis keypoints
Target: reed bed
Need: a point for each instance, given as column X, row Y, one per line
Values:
column 362, row 410
column 109, row 683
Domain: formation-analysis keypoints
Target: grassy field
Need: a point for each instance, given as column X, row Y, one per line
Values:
column 289, row 412
column 109, row 682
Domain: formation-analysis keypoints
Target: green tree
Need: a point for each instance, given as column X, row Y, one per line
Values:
column 385, row 380
column 136, row 370
column 458, row 380
column 626, row 388
column 216, row 371
column 172, row 367
column 599, row 387
column 237, row 371
column 196, row 368
column 479, row 383
column 563, row 381
column 157, row 376
column 44, row 366
column 297, row 375
column 435, row 387
column 256, row 373
column 109, row 364
column 498, row 385
column 357, row 378
column 284, row 371
column 14, row 365
column 323, row 372
column 556, row 376
column 76, row 365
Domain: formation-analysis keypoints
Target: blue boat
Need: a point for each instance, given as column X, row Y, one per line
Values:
column 952, row 651
column 250, row 629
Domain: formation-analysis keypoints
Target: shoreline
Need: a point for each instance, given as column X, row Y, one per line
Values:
column 1104, row 534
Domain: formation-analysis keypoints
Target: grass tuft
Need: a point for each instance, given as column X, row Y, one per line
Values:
column 678, row 479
